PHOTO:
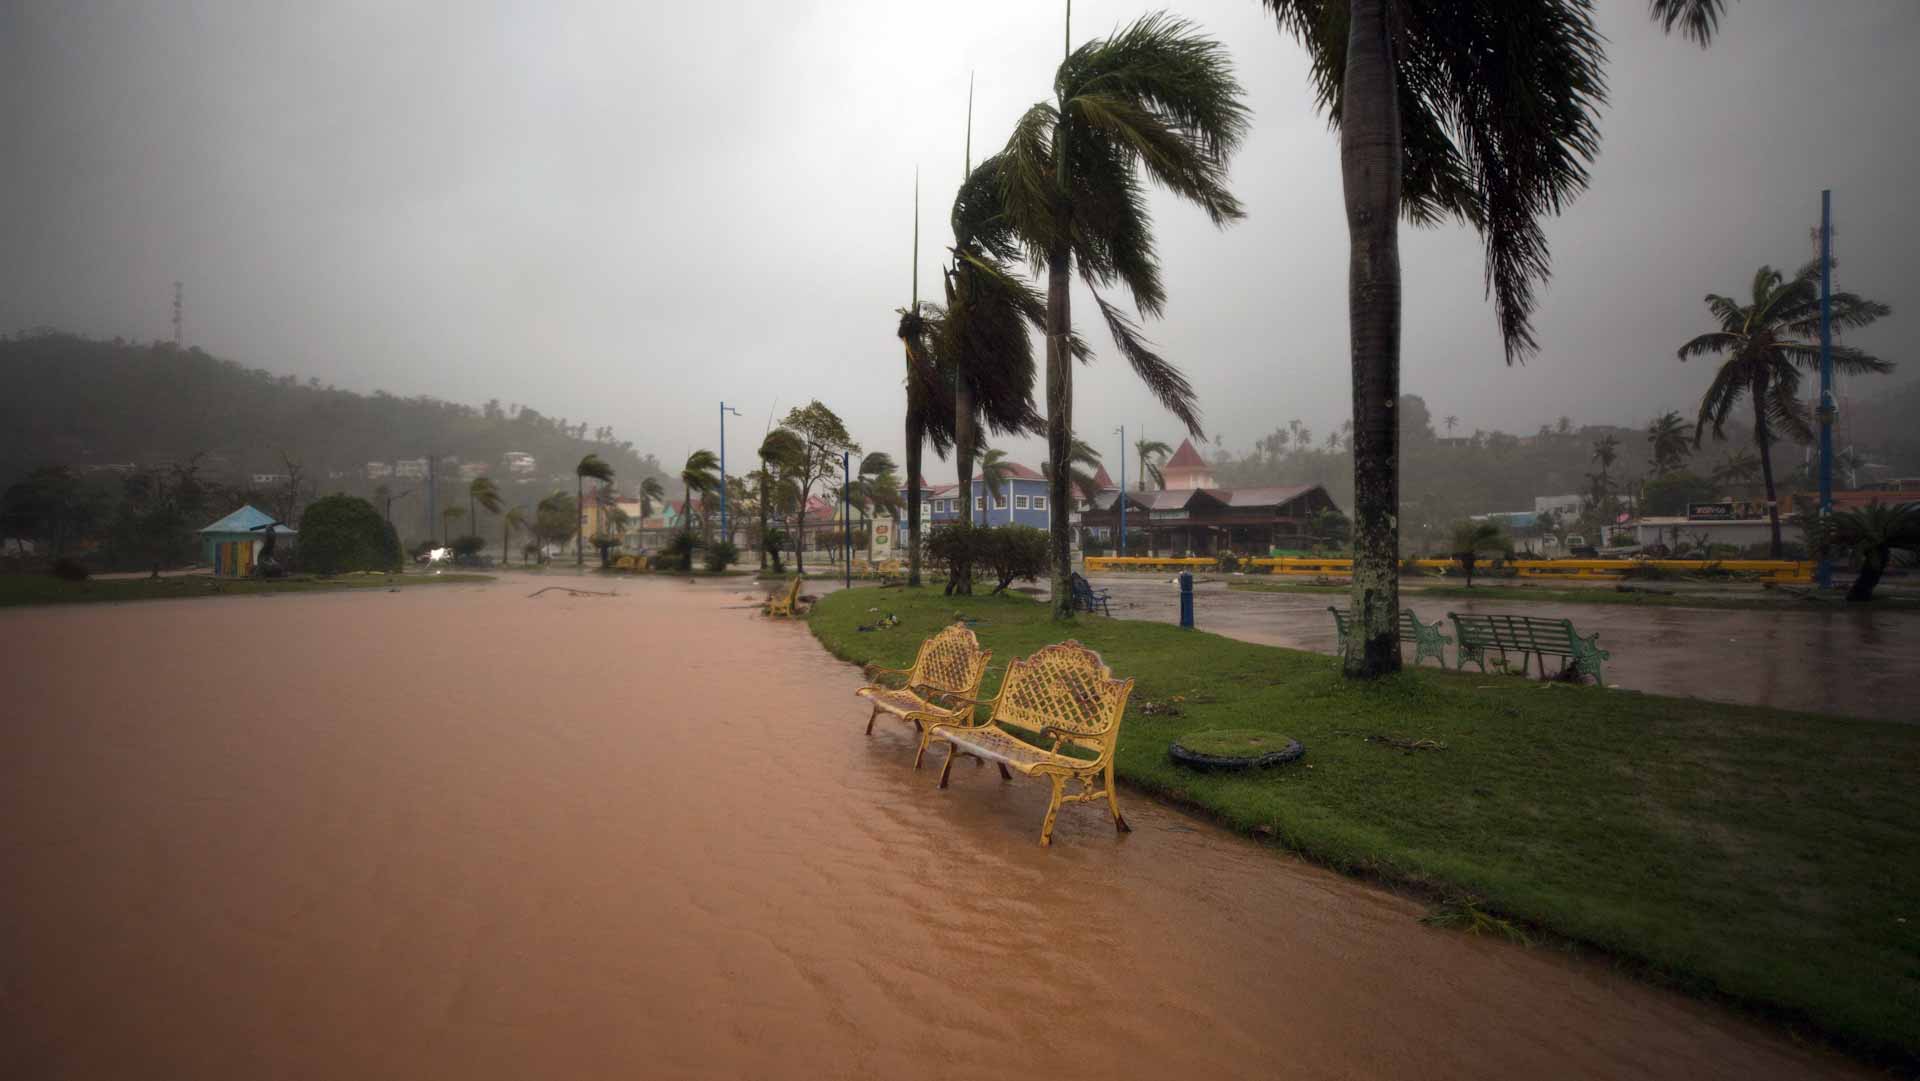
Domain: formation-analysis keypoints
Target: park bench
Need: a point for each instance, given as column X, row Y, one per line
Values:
column 1427, row 638
column 950, row 663
column 1086, row 598
column 1530, row 637
column 1063, row 693
column 785, row 604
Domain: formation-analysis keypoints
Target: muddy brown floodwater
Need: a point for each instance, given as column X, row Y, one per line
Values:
column 1836, row 660
column 457, row 832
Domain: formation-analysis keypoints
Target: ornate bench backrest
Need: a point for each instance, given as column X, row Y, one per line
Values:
column 951, row 661
column 1066, row 690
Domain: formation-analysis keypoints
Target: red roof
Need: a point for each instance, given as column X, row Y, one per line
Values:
column 1102, row 481
column 1185, row 458
column 1021, row 472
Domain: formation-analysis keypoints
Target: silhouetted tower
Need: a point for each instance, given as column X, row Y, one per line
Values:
column 178, row 305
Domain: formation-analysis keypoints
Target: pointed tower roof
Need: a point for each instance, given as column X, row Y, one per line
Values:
column 1102, row 481
column 1185, row 458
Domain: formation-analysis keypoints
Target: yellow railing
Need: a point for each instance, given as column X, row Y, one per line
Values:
column 1766, row 570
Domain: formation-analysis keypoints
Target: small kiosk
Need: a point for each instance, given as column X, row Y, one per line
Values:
column 230, row 545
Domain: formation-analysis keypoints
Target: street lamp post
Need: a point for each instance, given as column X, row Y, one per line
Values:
column 1121, row 547
column 725, row 533
column 846, row 510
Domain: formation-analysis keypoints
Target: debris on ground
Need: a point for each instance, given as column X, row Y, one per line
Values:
column 575, row 592
column 1401, row 743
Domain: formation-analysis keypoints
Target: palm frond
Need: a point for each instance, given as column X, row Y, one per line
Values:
column 1028, row 189
column 1163, row 380
column 1697, row 19
column 1713, row 342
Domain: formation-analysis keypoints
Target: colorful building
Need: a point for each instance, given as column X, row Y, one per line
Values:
column 1022, row 500
column 230, row 545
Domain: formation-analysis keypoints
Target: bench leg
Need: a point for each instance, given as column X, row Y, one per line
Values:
column 926, row 734
column 1113, row 804
column 947, row 770
column 870, row 717
column 1053, row 809
column 1004, row 775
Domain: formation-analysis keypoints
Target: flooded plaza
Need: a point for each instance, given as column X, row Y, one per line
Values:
column 466, row 832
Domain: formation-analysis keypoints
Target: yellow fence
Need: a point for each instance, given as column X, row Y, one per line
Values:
column 1765, row 570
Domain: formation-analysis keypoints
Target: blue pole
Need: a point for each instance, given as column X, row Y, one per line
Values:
column 1186, row 599
column 1824, row 575
column 846, row 510
column 725, row 534
column 1121, row 547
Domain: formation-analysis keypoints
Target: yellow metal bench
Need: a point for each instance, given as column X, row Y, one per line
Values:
column 1065, row 693
column 949, row 664
column 786, row 604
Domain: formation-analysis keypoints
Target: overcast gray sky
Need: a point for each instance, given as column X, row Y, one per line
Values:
column 621, row 213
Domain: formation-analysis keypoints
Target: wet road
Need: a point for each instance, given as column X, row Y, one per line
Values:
column 458, row 832
column 1857, row 663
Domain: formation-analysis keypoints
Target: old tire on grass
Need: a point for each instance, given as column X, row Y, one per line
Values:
column 1234, row 749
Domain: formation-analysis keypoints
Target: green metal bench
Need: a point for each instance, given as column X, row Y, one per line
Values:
column 1427, row 638
column 1530, row 637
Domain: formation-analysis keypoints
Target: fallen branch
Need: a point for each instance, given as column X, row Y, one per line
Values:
column 575, row 592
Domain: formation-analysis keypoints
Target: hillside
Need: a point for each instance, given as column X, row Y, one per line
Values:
column 82, row 403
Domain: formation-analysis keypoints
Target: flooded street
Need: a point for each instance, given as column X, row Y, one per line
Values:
column 1851, row 662
column 461, row 832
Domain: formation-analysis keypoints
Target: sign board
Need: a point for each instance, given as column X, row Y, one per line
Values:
column 1729, row 510
column 880, row 543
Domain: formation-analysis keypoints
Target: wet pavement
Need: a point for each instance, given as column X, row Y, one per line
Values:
column 1851, row 662
column 461, row 832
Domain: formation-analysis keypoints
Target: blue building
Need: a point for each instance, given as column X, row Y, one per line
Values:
column 1023, row 500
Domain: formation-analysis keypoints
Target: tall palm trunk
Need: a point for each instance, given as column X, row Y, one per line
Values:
column 1872, row 565
column 1765, row 439
column 763, row 515
column 1060, row 415
column 916, row 435
column 963, row 443
column 1370, row 179
column 580, row 530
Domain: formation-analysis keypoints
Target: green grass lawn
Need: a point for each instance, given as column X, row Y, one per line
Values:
column 1767, row 857
column 1413, row 591
column 24, row 589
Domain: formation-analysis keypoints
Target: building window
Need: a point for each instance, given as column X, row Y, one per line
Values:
column 926, row 510
column 1040, row 503
column 979, row 502
column 999, row 502
column 1020, row 502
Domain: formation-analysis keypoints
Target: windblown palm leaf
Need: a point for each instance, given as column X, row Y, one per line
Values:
column 1082, row 464
column 590, row 466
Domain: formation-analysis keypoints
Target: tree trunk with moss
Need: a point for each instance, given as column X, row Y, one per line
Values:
column 1370, row 157
column 964, row 439
column 1764, row 438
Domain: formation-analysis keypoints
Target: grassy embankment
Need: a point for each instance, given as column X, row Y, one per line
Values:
column 25, row 589
column 1639, row 597
column 1766, row 857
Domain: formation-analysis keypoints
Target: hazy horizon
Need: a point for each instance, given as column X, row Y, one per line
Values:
column 622, row 217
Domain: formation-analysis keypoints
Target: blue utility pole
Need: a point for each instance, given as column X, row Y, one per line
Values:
column 725, row 535
column 1121, row 547
column 1824, row 575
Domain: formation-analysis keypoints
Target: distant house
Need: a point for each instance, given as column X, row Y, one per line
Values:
column 1022, row 500
column 231, row 544
column 1192, row 516
column 379, row 470
column 519, row 463
column 410, row 469
column 470, row 471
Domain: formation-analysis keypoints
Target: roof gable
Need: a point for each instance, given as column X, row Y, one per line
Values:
column 1185, row 458
column 245, row 520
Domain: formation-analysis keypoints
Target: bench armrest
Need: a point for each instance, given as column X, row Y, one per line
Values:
column 875, row 672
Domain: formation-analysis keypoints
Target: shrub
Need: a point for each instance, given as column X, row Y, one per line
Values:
column 955, row 547
column 468, row 546
column 1226, row 563
column 1010, row 552
column 721, row 555
column 68, row 569
column 344, row 533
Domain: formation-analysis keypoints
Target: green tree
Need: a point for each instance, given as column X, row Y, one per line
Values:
column 515, row 521
column 1478, row 110
column 343, row 533
column 781, row 454
column 701, row 478
column 1870, row 534
column 1473, row 539
column 1767, row 343
column 556, row 518
column 823, row 439
column 1157, row 96
column 482, row 494
column 590, row 466
column 1151, row 453
column 995, row 468
column 929, row 413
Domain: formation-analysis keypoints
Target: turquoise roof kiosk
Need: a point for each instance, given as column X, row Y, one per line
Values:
column 230, row 544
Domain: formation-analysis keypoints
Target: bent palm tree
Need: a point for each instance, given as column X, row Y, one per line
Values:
column 1478, row 110
column 486, row 495
column 994, row 471
column 516, row 519
column 1870, row 533
column 701, row 475
column 1156, row 96
column 1767, row 343
column 1667, row 435
column 781, row 452
column 1082, row 464
column 590, row 466
column 651, row 493
column 930, row 410
column 1152, row 452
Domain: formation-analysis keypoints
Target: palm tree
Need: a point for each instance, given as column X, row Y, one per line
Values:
column 516, row 519
column 1738, row 466
column 651, row 493
column 1155, row 95
column 781, row 452
column 1151, row 453
column 1475, row 110
column 1082, row 464
column 1767, row 344
column 590, row 466
column 1870, row 533
column 487, row 495
column 1667, row 433
column 994, row 471
column 984, row 339
column 929, row 389
column 701, row 475
column 1606, row 451
column 1451, row 422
